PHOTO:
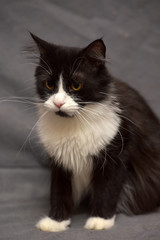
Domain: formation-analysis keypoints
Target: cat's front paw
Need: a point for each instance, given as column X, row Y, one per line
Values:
column 49, row 225
column 97, row 223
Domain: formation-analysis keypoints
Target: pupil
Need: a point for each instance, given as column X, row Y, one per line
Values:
column 50, row 84
column 76, row 85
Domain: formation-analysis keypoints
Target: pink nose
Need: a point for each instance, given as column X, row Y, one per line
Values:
column 59, row 104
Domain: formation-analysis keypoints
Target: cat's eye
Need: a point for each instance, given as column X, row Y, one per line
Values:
column 49, row 84
column 76, row 86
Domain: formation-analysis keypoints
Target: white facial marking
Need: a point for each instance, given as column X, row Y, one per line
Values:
column 97, row 223
column 59, row 98
column 49, row 225
column 61, row 101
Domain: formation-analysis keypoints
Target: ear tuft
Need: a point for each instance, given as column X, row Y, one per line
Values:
column 41, row 44
column 96, row 49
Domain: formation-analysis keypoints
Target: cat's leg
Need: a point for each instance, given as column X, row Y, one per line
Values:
column 106, row 187
column 61, row 202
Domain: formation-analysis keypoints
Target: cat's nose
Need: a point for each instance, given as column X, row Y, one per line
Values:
column 59, row 100
column 59, row 104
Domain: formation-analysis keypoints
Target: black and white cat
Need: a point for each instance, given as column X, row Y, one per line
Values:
column 102, row 138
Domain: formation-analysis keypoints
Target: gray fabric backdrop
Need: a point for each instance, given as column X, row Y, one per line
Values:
column 131, row 32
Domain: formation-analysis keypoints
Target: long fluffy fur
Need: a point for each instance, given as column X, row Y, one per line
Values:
column 104, row 141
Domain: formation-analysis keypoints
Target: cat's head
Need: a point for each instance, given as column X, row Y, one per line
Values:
column 68, row 78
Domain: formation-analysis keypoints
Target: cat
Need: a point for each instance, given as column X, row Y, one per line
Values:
column 102, row 138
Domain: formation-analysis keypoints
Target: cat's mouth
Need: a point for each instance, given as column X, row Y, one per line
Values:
column 62, row 114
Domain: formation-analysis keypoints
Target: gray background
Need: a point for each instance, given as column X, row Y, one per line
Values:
column 131, row 32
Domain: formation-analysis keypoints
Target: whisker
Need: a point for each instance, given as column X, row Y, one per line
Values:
column 105, row 93
column 25, row 100
column 94, row 103
column 128, row 120
column 89, row 116
column 86, row 121
column 26, row 89
column 38, row 65
column 95, row 113
column 31, row 108
column 37, row 56
column 43, row 115
column 72, row 71
column 18, row 101
column 18, row 97
column 105, row 159
column 79, row 119
column 122, row 143
column 83, row 120
column 111, row 158
column 134, row 133
column 46, row 64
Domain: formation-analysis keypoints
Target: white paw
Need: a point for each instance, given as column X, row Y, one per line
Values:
column 49, row 225
column 97, row 223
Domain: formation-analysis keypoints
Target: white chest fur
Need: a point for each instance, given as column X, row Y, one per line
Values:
column 72, row 141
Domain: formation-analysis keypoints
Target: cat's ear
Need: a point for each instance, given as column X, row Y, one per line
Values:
column 96, row 50
column 42, row 45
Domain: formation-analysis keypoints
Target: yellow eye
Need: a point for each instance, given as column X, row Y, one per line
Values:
column 49, row 84
column 76, row 86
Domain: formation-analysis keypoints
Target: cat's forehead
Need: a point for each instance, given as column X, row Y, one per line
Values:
column 66, row 61
column 64, row 56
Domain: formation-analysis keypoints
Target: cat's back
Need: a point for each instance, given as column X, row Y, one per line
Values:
column 134, row 105
column 140, row 129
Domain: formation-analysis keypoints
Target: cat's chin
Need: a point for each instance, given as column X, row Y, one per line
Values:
column 63, row 114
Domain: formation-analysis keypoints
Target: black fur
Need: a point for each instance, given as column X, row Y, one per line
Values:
column 61, row 193
column 130, row 180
